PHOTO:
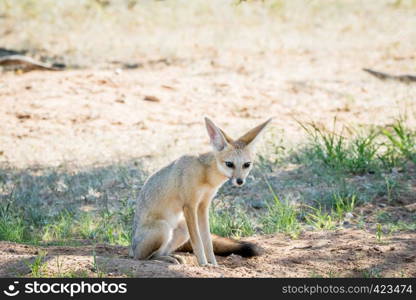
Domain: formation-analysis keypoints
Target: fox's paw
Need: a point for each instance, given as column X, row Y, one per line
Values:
column 172, row 259
column 209, row 265
column 179, row 258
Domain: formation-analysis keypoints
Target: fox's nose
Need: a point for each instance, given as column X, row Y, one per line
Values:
column 239, row 181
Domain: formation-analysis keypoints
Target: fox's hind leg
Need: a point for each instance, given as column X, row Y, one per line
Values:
column 151, row 240
column 179, row 237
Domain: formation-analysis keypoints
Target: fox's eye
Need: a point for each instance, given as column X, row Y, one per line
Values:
column 229, row 164
column 246, row 165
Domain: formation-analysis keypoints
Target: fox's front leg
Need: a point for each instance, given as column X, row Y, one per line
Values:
column 190, row 212
column 203, row 220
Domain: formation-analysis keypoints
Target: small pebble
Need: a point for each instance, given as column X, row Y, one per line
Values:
column 258, row 204
column 349, row 216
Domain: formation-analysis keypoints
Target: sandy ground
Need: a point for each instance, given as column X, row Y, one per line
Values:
column 239, row 65
column 90, row 116
column 311, row 72
column 343, row 253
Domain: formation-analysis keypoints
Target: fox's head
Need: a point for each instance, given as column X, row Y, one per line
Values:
column 234, row 157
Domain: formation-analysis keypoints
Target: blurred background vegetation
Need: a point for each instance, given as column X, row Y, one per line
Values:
column 98, row 32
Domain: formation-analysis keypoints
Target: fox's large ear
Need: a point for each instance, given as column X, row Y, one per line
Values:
column 216, row 135
column 251, row 137
column 227, row 138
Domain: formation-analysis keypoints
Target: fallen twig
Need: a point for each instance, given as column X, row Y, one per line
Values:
column 383, row 76
column 25, row 63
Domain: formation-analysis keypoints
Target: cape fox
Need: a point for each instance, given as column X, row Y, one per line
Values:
column 173, row 205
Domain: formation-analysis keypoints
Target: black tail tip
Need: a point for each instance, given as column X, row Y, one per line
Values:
column 249, row 250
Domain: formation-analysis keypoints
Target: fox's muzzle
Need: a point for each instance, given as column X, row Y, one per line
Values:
column 237, row 181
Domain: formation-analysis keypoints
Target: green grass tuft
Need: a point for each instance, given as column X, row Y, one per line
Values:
column 12, row 227
column 281, row 216
column 231, row 224
column 343, row 205
column 402, row 141
column 319, row 219
column 38, row 266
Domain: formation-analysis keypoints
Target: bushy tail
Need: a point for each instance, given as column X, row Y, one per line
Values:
column 227, row 246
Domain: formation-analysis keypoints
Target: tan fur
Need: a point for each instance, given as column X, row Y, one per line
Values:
column 173, row 204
